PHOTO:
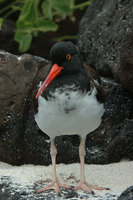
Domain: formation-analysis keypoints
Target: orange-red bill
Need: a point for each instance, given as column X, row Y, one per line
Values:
column 55, row 71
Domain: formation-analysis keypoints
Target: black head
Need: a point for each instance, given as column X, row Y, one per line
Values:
column 66, row 54
column 65, row 61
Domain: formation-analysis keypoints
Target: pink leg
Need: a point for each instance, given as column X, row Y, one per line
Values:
column 55, row 185
column 83, row 185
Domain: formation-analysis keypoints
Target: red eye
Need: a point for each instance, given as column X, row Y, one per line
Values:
column 68, row 56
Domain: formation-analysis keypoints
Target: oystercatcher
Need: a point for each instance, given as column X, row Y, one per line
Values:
column 70, row 101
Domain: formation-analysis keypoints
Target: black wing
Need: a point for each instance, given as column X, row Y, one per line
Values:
column 95, row 81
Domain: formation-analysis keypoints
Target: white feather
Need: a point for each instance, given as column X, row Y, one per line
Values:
column 83, row 116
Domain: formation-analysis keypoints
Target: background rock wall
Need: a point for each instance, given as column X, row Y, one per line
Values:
column 105, row 39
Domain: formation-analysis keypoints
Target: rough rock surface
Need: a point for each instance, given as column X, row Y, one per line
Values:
column 127, row 194
column 105, row 39
column 22, row 142
column 16, row 79
column 113, row 140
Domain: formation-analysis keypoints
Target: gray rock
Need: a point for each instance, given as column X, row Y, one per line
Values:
column 127, row 194
column 113, row 140
column 105, row 39
column 16, row 82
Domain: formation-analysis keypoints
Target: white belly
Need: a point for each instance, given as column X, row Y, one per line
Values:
column 83, row 117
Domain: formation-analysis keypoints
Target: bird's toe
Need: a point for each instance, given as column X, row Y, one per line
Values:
column 88, row 188
column 54, row 186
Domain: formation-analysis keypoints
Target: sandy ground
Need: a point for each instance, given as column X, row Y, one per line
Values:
column 116, row 176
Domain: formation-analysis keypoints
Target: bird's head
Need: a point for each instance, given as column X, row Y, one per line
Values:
column 64, row 60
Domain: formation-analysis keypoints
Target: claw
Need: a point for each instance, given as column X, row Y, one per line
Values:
column 54, row 186
column 88, row 188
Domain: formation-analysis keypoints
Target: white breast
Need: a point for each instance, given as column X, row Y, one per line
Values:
column 69, row 113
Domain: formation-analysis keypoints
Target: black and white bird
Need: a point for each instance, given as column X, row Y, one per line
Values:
column 70, row 101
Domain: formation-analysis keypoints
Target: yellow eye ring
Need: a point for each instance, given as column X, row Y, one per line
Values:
column 68, row 56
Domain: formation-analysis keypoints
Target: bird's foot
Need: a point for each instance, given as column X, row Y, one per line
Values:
column 54, row 186
column 88, row 188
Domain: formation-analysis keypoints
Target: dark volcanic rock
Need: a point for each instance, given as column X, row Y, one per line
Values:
column 113, row 140
column 127, row 194
column 105, row 39
column 16, row 79
column 22, row 142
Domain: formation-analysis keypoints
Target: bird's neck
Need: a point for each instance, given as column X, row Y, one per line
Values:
column 73, row 81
